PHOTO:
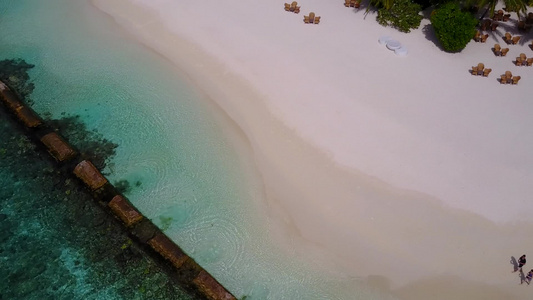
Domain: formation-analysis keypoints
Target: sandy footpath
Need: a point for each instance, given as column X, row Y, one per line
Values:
column 406, row 170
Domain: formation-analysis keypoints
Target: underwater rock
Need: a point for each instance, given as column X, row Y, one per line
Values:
column 91, row 144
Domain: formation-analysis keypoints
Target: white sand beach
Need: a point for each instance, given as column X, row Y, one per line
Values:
column 406, row 171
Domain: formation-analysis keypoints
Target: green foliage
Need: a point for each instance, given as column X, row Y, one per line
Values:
column 454, row 28
column 518, row 6
column 382, row 4
column 126, row 245
column 14, row 73
column 403, row 15
column 122, row 186
column 165, row 222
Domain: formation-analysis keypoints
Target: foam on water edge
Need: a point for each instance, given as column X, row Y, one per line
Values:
column 176, row 145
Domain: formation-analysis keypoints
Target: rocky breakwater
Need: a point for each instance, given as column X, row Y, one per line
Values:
column 141, row 229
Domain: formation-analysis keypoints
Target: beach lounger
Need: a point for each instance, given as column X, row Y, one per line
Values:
column 507, row 37
column 485, row 24
column 498, row 16
column 484, row 38
column 486, row 72
column 515, row 79
column 503, row 79
column 477, row 36
column 311, row 19
column 508, row 76
column 515, row 39
column 504, row 51
column 521, row 25
column 529, row 62
column 506, row 17
column 518, row 61
column 352, row 3
column 497, row 50
column 294, row 7
column 493, row 26
column 474, row 71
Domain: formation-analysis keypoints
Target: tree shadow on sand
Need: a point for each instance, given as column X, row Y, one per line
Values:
column 429, row 34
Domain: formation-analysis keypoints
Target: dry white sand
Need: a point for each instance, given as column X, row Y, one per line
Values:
column 407, row 170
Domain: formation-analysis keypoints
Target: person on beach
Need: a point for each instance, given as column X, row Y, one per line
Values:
column 521, row 262
column 529, row 276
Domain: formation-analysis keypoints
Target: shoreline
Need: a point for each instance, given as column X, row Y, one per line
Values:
column 296, row 200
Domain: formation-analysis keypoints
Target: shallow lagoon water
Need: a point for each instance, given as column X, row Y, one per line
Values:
column 175, row 148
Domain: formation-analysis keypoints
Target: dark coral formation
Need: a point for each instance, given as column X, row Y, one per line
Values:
column 57, row 242
column 92, row 144
column 14, row 72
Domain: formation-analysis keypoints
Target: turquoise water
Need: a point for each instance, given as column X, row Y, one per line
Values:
column 57, row 243
column 184, row 169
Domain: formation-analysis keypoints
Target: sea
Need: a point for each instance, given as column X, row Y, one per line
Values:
column 176, row 149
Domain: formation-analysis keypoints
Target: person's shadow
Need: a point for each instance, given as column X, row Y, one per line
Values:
column 523, row 278
column 514, row 263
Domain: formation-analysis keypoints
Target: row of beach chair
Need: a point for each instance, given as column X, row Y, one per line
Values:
column 309, row 19
column 480, row 70
column 522, row 60
column 509, row 39
column 508, row 78
column 488, row 24
column 498, row 51
column 500, row 16
column 525, row 25
column 293, row 7
column 352, row 3
column 481, row 38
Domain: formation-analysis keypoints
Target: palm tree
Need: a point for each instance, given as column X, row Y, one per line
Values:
column 387, row 4
column 518, row 6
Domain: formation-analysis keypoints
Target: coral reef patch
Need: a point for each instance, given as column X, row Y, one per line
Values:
column 57, row 242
